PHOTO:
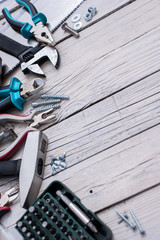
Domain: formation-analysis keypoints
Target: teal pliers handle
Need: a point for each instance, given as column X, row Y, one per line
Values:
column 22, row 27
column 10, row 96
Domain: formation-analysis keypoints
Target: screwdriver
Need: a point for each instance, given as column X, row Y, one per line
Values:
column 77, row 211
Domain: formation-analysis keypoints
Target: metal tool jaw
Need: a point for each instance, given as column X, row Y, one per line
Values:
column 32, row 88
column 45, row 52
column 42, row 34
column 9, row 196
column 42, row 118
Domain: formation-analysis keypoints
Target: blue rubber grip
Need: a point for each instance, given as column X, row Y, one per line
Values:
column 17, row 100
column 30, row 7
column 40, row 17
column 14, row 86
column 25, row 31
column 15, row 24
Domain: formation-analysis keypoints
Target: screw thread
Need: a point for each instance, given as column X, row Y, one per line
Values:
column 54, row 97
column 48, row 107
column 45, row 103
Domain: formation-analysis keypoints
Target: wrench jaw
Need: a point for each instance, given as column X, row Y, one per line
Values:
column 43, row 54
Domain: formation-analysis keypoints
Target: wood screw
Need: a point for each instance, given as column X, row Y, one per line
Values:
column 137, row 222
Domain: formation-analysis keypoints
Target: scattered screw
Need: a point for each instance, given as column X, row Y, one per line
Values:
column 48, row 107
column 120, row 221
column 88, row 16
column 54, row 97
column 58, row 164
column 37, row 104
column 70, row 30
column 62, row 165
column 125, row 219
column 137, row 222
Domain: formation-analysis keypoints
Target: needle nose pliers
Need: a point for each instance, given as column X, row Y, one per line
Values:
column 6, row 199
column 14, row 95
column 38, row 30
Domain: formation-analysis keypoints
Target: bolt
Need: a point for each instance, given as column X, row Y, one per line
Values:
column 70, row 30
column 137, row 222
column 54, row 97
column 48, row 107
column 125, row 219
column 37, row 104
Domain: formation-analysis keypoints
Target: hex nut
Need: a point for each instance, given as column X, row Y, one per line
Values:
column 92, row 10
column 88, row 16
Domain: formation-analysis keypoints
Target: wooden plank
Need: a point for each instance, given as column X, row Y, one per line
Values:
column 145, row 207
column 106, row 123
column 101, row 72
column 113, row 175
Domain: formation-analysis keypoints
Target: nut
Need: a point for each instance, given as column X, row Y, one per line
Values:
column 88, row 16
column 92, row 10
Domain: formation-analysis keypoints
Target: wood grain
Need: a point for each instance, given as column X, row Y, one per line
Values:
column 146, row 208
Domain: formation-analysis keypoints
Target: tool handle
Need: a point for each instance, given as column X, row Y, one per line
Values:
column 4, row 91
column 11, row 47
column 30, row 7
column 4, row 210
column 15, row 24
column 6, row 105
column 9, row 168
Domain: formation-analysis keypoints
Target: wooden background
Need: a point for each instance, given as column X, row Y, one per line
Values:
column 109, row 128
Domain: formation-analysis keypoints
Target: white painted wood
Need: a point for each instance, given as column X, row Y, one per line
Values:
column 113, row 175
column 146, row 208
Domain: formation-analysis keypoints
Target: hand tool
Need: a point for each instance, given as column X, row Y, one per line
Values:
column 29, row 57
column 6, row 199
column 30, row 168
column 36, row 122
column 38, row 30
column 77, row 211
column 15, row 94
column 7, row 134
column 0, row 70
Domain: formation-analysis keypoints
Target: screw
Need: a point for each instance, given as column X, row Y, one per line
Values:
column 125, row 219
column 137, row 222
column 54, row 97
column 126, row 216
column 70, row 30
column 37, row 104
column 48, row 107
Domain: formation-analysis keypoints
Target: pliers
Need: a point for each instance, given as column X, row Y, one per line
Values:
column 39, row 30
column 35, row 121
column 7, row 198
column 16, row 93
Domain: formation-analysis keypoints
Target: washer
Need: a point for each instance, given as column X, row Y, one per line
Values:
column 77, row 26
column 75, row 18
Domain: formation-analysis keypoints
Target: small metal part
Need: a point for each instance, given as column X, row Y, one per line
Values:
column 37, row 104
column 137, row 222
column 62, row 165
column 75, row 18
column 77, row 26
column 125, row 219
column 88, row 16
column 48, row 107
column 44, row 96
column 92, row 10
column 126, row 216
column 70, row 30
